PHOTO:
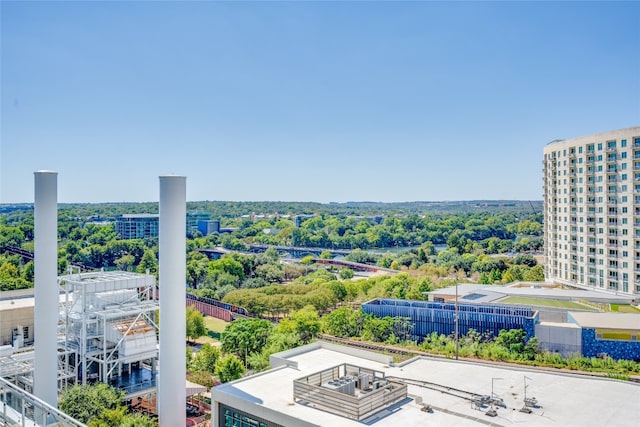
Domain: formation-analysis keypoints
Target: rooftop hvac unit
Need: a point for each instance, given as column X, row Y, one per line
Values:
column 363, row 381
column 18, row 337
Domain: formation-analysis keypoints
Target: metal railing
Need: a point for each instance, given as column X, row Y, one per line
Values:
column 20, row 408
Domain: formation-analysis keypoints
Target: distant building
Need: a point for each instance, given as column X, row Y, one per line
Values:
column 567, row 332
column 592, row 211
column 142, row 226
column 427, row 317
column 137, row 226
column 208, row 227
column 16, row 318
column 193, row 220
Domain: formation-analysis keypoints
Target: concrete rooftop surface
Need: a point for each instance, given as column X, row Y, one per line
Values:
column 563, row 399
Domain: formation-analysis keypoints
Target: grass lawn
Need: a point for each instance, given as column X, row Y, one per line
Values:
column 541, row 302
column 215, row 326
column 214, row 329
column 624, row 308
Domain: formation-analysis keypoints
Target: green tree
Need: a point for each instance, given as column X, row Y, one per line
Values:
column 485, row 279
column 85, row 403
column 148, row 262
column 307, row 323
column 426, row 250
column 125, row 262
column 226, row 264
column 229, row 368
column 205, row 359
column 245, row 336
column 534, row 274
column 119, row 417
column 338, row 288
column 28, row 271
column 307, row 260
column 195, row 324
column 513, row 340
column 203, row 378
column 196, row 272
column 377, row 328
column 346, row 273
column 272, row 273
column 525, row 259
column 344, row 322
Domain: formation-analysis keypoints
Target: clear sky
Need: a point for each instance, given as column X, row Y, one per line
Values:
column 307, row 101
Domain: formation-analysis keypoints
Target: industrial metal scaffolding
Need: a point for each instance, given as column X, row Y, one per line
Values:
column 108, row 325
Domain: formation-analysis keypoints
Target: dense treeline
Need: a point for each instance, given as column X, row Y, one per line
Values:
column 323, row 290
column 86, row 239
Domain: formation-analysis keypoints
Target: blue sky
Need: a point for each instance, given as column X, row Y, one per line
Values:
column 307, row 101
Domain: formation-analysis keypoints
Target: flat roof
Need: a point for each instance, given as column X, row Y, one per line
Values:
column 535, row 292
column 101, row 276
column 17, row 303
column 607, row 320
column 22, row 302
column 564, row 399
column 560, row 325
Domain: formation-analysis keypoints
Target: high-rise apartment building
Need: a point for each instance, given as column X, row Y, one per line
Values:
column 592, row 211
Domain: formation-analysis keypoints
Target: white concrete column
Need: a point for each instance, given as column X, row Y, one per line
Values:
column 45, row 381
column 173, row 325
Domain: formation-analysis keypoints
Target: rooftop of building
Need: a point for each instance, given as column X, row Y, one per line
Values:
column 487, row 293
column 611, row 134
column 20, row 302
column 563, row 399
column 102, row 279
column 143, row 215
column 628, row 321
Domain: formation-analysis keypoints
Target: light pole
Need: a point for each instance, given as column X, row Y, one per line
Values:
column 528, row 401
column 492, row 410
column 456, row 321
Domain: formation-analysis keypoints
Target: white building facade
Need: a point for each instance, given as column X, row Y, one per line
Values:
column 592, row 211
